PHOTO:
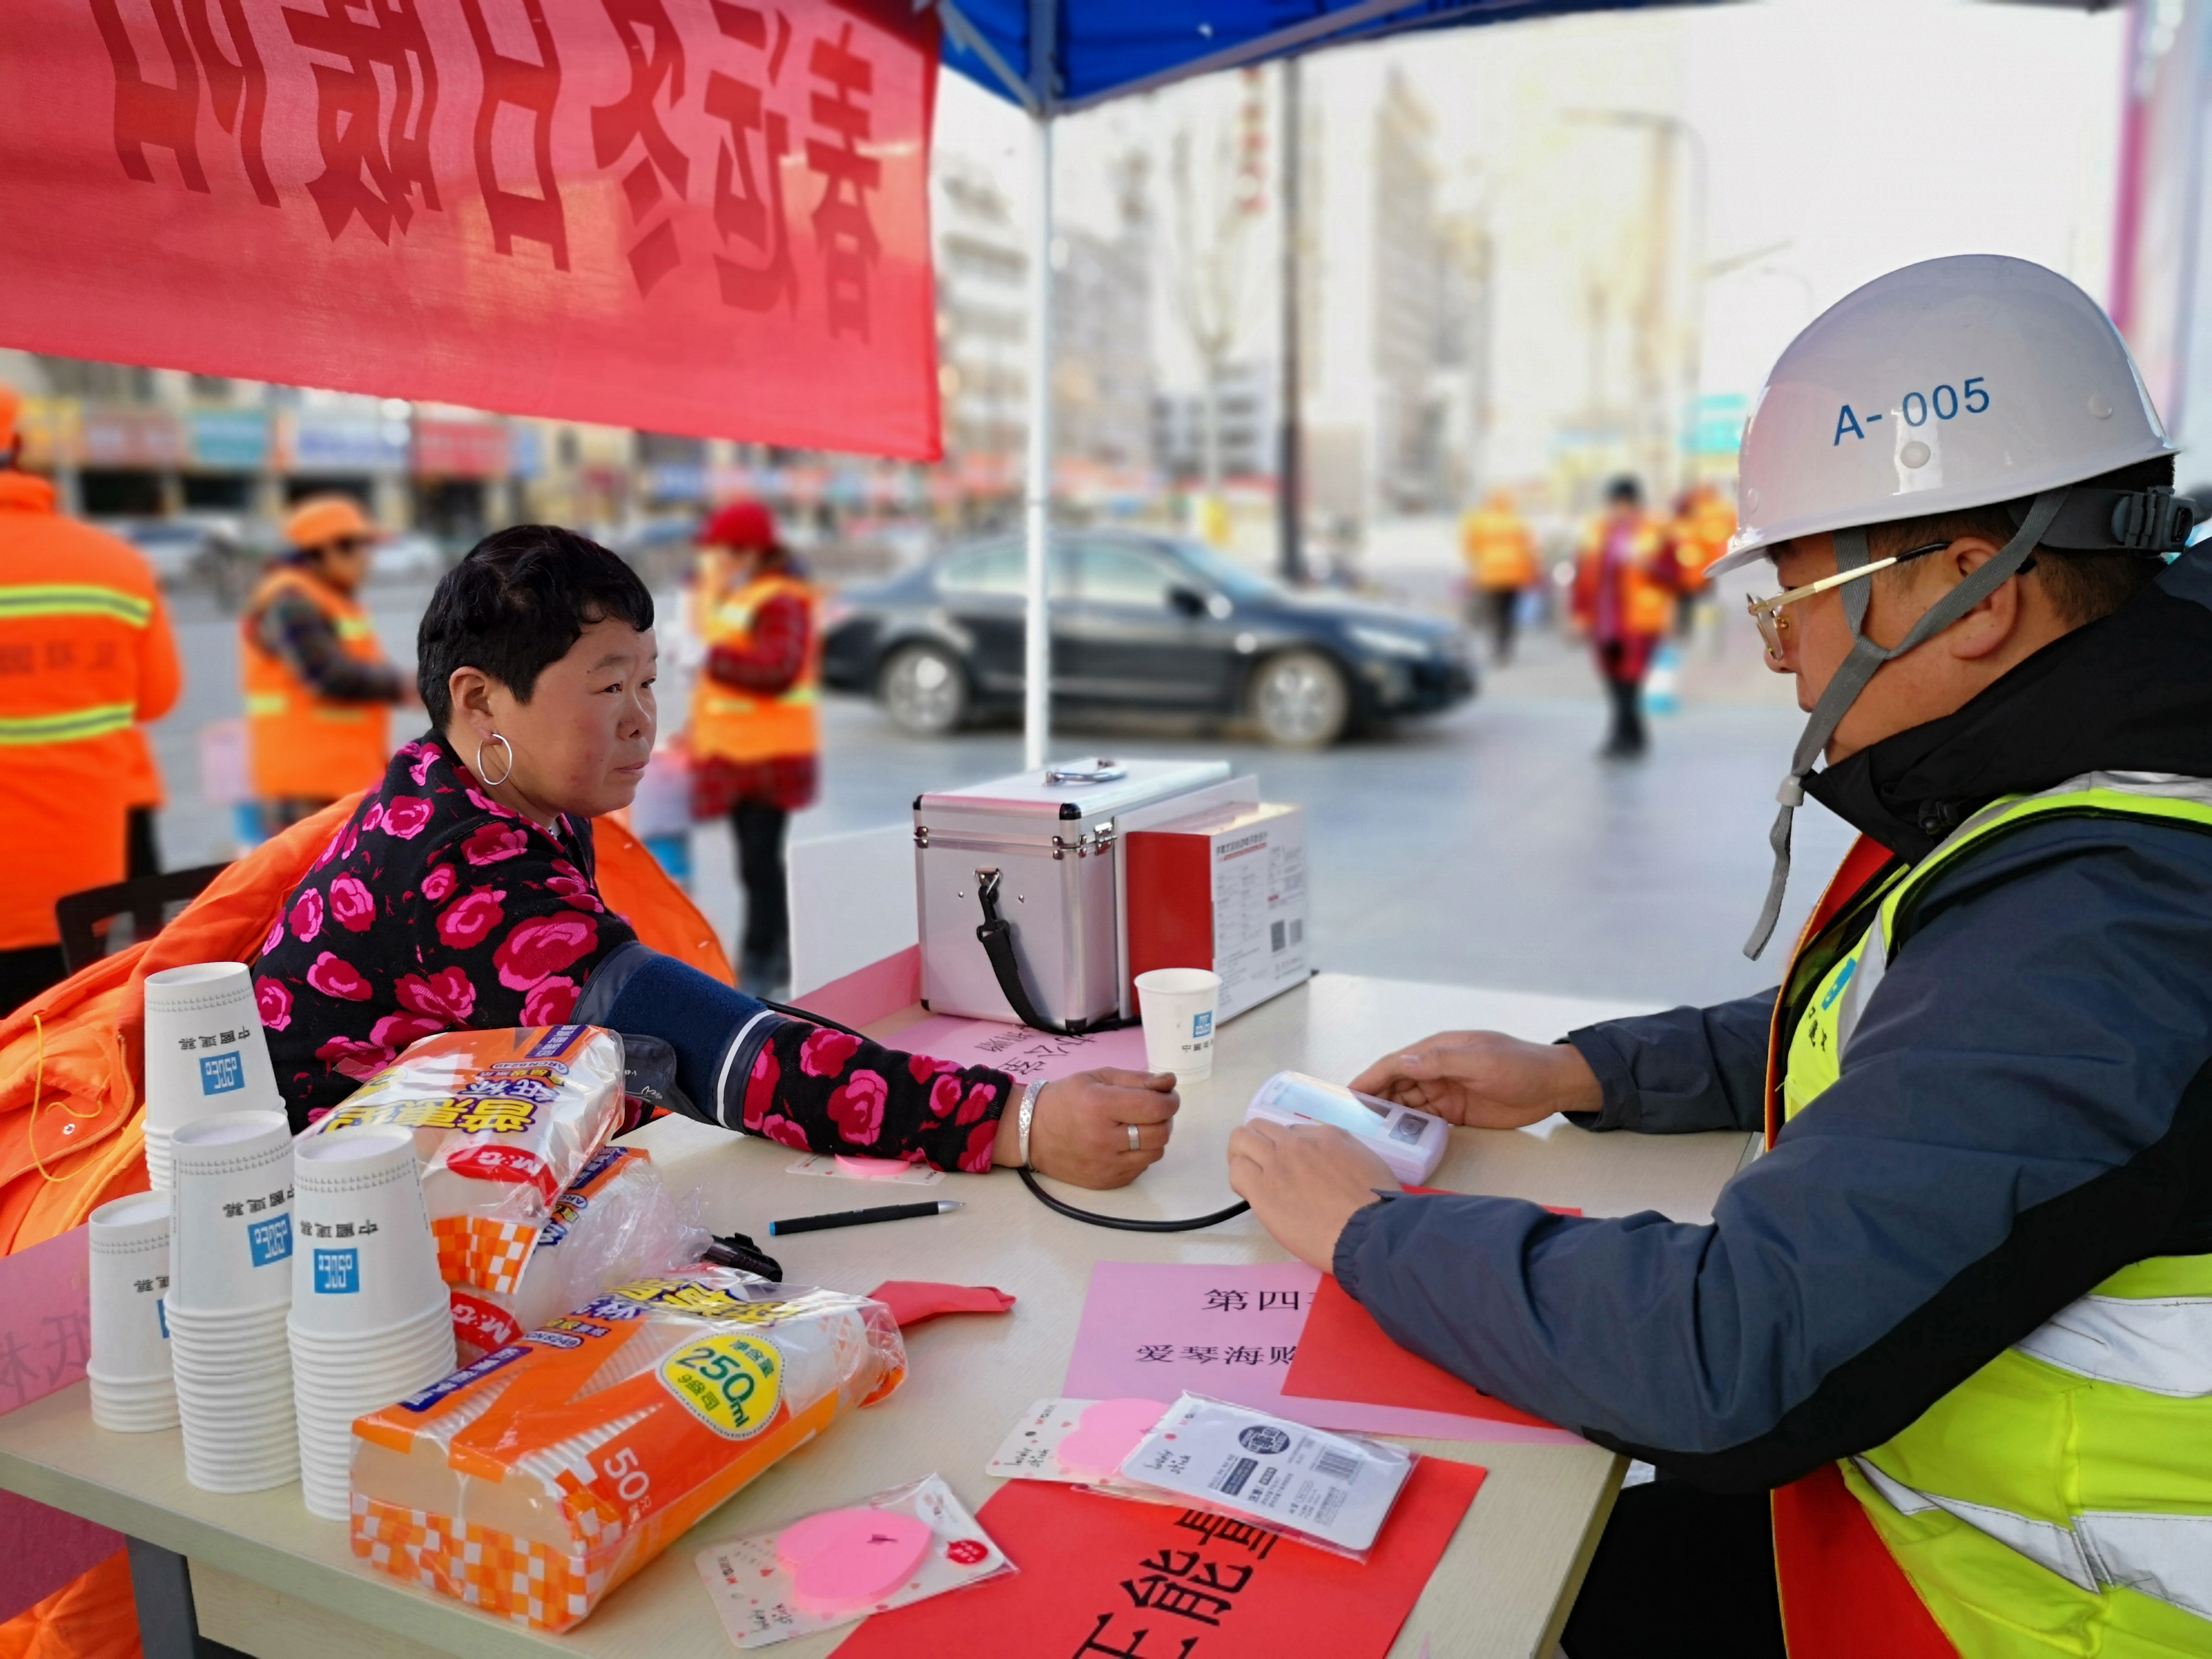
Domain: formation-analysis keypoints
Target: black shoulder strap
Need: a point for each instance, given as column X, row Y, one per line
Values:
column 997, row 936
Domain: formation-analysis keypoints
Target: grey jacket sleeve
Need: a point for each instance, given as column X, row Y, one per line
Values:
column 2024, row 1108
column 1684, row 1070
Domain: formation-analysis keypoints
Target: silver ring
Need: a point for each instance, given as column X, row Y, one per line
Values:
column 1135, row 1145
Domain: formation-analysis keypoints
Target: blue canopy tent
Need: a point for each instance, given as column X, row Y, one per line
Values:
column 1052, row 57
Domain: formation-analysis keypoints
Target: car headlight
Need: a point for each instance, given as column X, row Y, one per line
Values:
column 1390, row 644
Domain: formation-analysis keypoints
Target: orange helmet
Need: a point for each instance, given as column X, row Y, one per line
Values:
column 322, row 520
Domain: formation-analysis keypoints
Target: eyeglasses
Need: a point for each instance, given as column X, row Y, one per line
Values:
column 1767, row 613
column 347, row 544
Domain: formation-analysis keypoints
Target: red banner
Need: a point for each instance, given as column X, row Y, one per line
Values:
column 697, row 216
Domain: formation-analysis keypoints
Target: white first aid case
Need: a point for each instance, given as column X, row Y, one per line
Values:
column 1043, row 848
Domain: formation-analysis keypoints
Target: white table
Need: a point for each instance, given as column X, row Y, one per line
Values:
column 272, row 1580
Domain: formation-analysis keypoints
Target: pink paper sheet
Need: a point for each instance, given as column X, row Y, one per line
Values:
column 1152, row 1330
column 1019, row 1051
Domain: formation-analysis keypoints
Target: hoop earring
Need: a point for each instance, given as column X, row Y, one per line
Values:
column 489, row 782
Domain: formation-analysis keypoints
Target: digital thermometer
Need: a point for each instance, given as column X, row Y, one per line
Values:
column 1412, row 1143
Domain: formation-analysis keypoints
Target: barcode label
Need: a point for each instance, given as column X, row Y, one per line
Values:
column 1230, row 1483
column 1335, row 1465
column 1275, row 935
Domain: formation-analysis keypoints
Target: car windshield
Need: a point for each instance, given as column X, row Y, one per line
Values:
column 1225, row 574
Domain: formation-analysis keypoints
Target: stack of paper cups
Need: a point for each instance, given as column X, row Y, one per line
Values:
column 230, row 1290
column 133, row 1391
column 205, row 1054
column 371, row 1323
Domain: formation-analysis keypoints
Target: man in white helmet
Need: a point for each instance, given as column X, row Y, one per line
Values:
column 1955, row 1325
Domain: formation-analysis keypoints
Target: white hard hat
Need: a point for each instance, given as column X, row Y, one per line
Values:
column 1952, row 384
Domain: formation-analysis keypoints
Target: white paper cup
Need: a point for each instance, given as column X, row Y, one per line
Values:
column 367, row 1259
column 139, row 1406
column 205, row 1050
column 1176, row 1006
column 128, row 1248
column 157, row 1155
column 230, row 1239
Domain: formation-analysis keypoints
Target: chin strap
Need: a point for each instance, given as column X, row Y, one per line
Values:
column 1859, row 667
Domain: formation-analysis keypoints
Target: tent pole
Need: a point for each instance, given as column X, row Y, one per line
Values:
column 1036, row 662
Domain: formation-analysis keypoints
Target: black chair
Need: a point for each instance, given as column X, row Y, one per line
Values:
column 150, row 901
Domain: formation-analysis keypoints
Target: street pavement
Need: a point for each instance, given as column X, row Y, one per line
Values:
column 1488, row 847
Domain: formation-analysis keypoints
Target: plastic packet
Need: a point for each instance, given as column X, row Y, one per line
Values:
column 815, row 1574
column 1332, row 1491
column 503, row 1120
column 613, row 1223
column 535, row 1480
column 1077, row 1442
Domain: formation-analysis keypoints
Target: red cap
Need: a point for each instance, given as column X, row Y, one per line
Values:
column 743, row 525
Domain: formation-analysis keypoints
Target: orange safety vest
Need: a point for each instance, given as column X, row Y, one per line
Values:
column 85, row 654
column 1647, row 601
column 729, row 723
column 1701, row 536
column 306, row 747
column 1501, row 554
column 1843, row 1593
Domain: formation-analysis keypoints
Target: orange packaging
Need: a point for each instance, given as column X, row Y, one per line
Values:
column 532, row 1482
column 503, row 1120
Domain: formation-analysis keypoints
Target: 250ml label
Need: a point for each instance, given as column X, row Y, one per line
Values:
column 731, row 1383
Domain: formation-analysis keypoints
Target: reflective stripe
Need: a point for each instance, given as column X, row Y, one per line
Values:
column 2165, row 1557
column 73, row 727
column 336, row 715
column 59, row 599
column 2160, row 1344
column 267, row 702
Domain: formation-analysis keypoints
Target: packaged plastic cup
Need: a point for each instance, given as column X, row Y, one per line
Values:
column 367, row 1260
column 128, row 1247
column 1177, row 1007
column 205, row 1051
column 230, row 1238
column 157, row 1155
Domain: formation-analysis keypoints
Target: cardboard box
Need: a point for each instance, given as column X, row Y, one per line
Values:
column 1225, row 889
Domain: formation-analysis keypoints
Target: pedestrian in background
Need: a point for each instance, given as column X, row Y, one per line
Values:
column 1704, row 522
column 85, row 654
column 1501, row 566
column 1624, row 600
column 754, row 741
column 318, row 687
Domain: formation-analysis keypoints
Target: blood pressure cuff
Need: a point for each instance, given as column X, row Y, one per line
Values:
column 713, row 1033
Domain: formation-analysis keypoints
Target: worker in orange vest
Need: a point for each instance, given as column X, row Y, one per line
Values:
column 753, row 738
column 1624, row 600
column 317, row 684
column 85, row 653
column 1704, row 521
column 1501, row 565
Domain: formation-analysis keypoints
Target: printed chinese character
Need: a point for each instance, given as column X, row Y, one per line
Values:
column 1282, row 1354
column 256, row 1206
column 17, row 1375
column 187, row 1042
column 1222, row 1530
column 1186, row 1564
column 1224, row 1302
column 533, row 89
column 233, row 1211
column 366, row 1228
column 278, row 1197
column 634, row 119
column 1156, row 1354
column 237, row 86
column 143, row 1286
column 753, row 213
column 1203, row 1356
column 150, row 114
column 1165, row 1590
column 208, row 1041
column 65, row 1340
column 228, row 1036
column 1136, row 1648
column 345, row 1230
column 1278, row 1299
column 843, row 230
column 370, row 166
column 1240, row 1356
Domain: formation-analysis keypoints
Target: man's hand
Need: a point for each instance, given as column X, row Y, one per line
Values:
column 1304, row 1183
column 1484, row 1079
column 1080, row 1133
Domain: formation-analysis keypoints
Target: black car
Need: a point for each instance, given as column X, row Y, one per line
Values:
column 1139, row 622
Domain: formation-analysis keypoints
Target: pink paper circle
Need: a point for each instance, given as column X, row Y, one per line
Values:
column 873, row 1168
column 844, row 1559
column 1108, row 1432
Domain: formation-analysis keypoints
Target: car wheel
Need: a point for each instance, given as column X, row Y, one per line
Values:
column 1299, row 701
column 923, row 690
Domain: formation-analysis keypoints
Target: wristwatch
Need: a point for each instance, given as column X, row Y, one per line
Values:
column 1029, row 1110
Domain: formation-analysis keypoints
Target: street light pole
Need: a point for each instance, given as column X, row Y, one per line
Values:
column 1290, row 474
column 1036, row 492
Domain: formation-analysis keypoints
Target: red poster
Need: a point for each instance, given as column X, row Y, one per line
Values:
column 705, row 216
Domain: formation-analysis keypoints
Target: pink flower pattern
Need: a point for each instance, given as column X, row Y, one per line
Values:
column 391, row 937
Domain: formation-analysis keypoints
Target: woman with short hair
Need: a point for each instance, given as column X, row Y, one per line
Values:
column 459, row 894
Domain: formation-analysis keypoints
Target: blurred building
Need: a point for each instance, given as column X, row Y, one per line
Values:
column 982, row 320
column 1250, row 399
column 1102, row 327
